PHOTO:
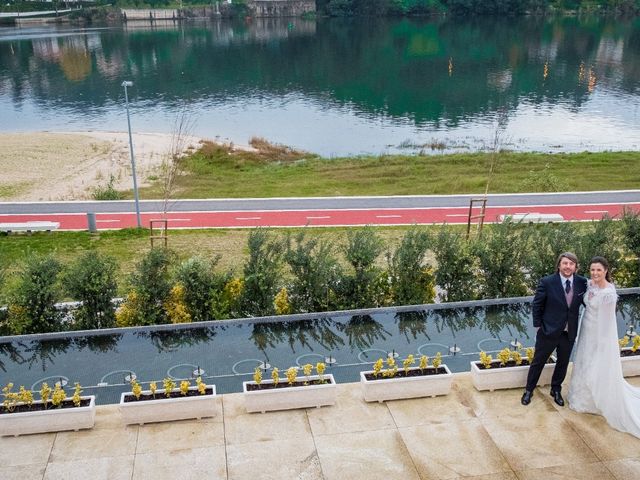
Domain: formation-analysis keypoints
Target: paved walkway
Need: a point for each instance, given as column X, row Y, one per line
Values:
column 470, row 434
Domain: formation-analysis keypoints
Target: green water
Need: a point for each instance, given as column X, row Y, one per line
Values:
column 337, row 86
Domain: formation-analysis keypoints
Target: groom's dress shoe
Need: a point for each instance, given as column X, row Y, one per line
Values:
column 557, row 397
column 526, row 397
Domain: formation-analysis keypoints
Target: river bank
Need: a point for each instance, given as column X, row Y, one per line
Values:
column 41, row 166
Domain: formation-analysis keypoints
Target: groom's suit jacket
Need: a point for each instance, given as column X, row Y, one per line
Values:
column 550, row 310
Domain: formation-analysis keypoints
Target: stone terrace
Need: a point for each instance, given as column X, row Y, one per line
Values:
column 467, row 434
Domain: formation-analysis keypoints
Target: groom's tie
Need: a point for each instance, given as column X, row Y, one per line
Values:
column 567, row 292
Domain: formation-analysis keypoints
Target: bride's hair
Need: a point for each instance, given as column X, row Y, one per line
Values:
column 602, row 261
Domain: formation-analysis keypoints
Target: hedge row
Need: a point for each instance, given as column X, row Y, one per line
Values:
column 297, row 274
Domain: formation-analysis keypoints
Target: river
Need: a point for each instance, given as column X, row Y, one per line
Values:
column 337, row 87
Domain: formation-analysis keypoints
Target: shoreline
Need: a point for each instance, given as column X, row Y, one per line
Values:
column 40, row 166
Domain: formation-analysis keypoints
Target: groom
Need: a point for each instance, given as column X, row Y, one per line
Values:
column 555, row 310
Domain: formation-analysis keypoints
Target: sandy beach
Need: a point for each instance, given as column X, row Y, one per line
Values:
column 41, row 166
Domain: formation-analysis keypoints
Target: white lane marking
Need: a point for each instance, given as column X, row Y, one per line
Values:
column 327, row 216
column 108, row 221
column 596, row 211
column 388, row 216
column 457, row 215
column 248, row 218
column 178, row 219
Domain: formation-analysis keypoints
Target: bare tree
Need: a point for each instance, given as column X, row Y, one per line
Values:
column 173, row 161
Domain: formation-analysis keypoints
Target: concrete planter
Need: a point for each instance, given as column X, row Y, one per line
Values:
column 52, row 420
column 286, row 398
column 630, row 365
column 164, row 409
column 507, row 377
column 406, row 387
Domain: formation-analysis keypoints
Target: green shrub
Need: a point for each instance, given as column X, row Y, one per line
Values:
column 501, row 263
column 316, row 274
column 261, row 274
column 151, row 287
column 202, row 287
column 91, row 279
column 32, row 309
column 455, row 272
column 411, row 278
column 365, row 285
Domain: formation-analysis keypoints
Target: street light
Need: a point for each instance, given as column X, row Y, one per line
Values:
column 126, row 84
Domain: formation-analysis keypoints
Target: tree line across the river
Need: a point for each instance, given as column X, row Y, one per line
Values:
column 340, row 8
column 297, row 273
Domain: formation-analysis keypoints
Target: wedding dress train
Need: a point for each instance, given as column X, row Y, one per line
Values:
column 597, row 385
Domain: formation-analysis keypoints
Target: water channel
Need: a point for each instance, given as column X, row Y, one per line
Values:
column 227, row 352
column 336, row 87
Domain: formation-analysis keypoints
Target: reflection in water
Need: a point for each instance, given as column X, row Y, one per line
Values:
column 225, row 343
column 174, row 340
column 299, row 335
column 413, row 324
column 387, row 79
column 456, row 319
column 511, row 317
column 98, row 343
column 43, row 353
column 363, row 330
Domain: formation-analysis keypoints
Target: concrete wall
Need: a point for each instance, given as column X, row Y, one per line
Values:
column 281, row 8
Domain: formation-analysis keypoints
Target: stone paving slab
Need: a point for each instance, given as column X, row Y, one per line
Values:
column 467, row 434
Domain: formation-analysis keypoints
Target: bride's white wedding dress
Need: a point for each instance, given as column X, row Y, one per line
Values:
column 597, row 385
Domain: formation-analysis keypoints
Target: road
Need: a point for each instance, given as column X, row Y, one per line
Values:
column 323, row 211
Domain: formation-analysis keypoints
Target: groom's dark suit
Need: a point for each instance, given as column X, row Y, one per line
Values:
column 557, row 324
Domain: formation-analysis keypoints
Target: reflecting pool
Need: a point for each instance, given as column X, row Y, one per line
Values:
column 228, row 351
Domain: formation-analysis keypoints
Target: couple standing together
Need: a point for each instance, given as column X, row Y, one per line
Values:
column 597, row 385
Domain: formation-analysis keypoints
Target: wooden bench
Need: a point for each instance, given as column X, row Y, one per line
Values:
column 532, row 217
column 29, row 227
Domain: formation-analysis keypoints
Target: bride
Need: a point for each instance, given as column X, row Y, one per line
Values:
column 597, row 385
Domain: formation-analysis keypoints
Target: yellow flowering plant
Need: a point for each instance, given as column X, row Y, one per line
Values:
column 153, row 386
column 636, row 343
column 424, row 363
column 516, row 357
column 202, row 387
column 275, row 376
column 377, row 367
column 320, row 368
column 10, row 398
column 184, row 387
column 530, row 352
column 407, row 363
column 25, row 396
column 504, row 356
column 58, row 395
column 257, row 376
column 136, row 389
column 45, row 393
column 485, row 360
column 437, row 361
column 624, row 341
column 76, row 395
column 292, row 373
column 307, row 369
column 168, row 385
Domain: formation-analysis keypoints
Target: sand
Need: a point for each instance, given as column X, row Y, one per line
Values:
column 43, row 166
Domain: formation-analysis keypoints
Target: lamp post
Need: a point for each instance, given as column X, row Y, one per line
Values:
column 126, row 84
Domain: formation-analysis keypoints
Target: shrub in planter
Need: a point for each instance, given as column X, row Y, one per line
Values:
column 509, row 370
column 296, row 392
column 410, row 382
column 170, row 403
column 54, row 412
